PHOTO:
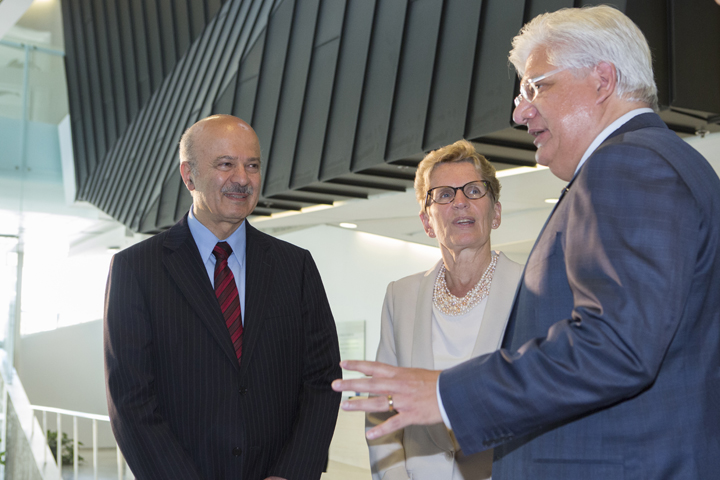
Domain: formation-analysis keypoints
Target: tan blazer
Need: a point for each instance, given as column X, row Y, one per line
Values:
column 430, row 452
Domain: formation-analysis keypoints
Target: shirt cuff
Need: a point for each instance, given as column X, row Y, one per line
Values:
column 445, row 418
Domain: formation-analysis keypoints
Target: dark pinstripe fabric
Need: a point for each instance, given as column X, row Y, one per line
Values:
column 180, row 405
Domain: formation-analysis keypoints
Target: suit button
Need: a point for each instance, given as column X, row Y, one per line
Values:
column 242, row 390
column 237, row 451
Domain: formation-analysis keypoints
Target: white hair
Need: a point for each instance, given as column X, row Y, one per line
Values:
column 582, row 38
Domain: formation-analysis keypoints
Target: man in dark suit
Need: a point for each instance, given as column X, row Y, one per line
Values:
column 611, row 360
column 220, row 346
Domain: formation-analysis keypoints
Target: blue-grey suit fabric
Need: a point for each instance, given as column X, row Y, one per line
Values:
column 180, row 405
column 611, row 365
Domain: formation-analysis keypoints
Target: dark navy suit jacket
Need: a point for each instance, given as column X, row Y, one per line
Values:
column 612, row 362
column 180, row 405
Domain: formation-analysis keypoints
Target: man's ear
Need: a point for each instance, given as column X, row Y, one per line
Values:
column 187, row 176
column 606, row 75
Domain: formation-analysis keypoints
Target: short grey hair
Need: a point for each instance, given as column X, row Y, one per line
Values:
column 187, row 150
column 584, row 37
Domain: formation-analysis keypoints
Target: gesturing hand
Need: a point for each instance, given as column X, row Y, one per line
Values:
column 412, row 390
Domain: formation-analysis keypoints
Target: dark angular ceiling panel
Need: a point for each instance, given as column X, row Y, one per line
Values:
column 345, row 95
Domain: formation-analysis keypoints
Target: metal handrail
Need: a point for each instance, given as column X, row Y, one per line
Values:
column 91, row 416
column 22, row 45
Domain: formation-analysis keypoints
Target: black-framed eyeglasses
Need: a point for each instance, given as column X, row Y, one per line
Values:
column 528, row 89
column 444, row 195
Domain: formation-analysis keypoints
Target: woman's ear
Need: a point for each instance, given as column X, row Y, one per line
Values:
column 425, row 219
column 497, row 216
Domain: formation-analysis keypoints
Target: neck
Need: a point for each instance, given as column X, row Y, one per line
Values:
column 463, row 270
column 222, row 230
column 616, row 109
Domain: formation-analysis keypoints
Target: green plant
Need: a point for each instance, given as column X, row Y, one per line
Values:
column 2, row 457
column 67, row 447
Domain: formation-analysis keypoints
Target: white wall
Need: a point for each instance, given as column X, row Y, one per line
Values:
column 63, row 368
column 356, row 268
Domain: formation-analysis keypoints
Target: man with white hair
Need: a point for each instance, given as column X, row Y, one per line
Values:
column 611, row 366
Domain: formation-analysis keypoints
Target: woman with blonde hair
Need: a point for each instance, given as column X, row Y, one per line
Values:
column 449, row 314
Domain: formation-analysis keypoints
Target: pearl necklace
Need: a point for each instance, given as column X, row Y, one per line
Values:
column 449, row 304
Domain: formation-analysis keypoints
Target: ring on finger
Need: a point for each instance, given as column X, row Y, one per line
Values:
column 391, row 407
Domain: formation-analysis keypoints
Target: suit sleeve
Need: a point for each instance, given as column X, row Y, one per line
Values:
column 628, row 254
column 149, row 446
column 305, row 454
column 387, row 454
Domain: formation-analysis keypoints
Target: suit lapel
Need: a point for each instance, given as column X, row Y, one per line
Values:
column 497, row 309
column 422, row 356
column 644, row 120
column 258, row 275
column 186, row 268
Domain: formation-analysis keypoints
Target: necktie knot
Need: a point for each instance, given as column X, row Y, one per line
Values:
column 222, row 251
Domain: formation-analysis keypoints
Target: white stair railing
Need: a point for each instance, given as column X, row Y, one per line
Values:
column 12, row 390
column 75, row 415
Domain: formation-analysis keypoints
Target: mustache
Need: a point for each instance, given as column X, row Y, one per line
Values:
column 237, row 188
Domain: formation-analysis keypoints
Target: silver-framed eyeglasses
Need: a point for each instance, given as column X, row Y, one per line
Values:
column 444, row 195
column 529, row 89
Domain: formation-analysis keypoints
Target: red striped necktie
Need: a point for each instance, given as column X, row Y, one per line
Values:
column 227, row 295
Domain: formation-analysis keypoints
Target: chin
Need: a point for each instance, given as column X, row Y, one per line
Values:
column 540, row 159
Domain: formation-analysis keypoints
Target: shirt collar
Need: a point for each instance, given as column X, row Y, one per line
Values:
column 609, row 130
column 206, row 240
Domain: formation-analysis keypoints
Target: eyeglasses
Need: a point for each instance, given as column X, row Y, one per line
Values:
column 444, row 195
column 528, row 89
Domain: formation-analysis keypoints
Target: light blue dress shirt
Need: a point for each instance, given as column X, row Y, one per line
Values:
column 206, row 241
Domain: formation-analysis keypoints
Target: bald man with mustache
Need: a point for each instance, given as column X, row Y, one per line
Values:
column 220, row 346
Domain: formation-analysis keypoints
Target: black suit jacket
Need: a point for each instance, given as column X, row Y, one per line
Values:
column 180, row 405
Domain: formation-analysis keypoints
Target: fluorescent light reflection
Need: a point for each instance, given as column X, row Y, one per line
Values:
column 290, row 213
column 509, row 172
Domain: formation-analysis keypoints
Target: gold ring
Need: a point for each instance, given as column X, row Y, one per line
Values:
column 391, row 408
